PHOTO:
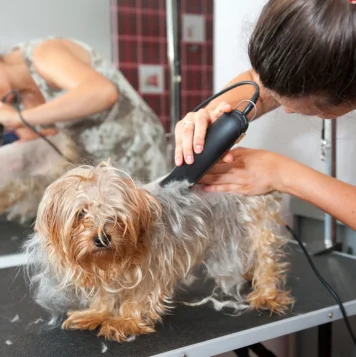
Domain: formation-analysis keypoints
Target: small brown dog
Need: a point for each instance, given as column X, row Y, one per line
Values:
column 110, row 254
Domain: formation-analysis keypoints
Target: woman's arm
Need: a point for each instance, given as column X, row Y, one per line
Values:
column 88, row 92
column 329, row 194
column 192, row 137
column 257, row 172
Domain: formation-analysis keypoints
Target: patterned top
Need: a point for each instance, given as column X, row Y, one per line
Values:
column 129, row 133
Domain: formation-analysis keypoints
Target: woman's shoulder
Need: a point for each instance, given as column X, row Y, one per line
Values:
column 28, row 47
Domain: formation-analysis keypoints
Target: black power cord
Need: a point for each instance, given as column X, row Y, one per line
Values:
column 17, row 107
column 251, row 103
column 325, row 283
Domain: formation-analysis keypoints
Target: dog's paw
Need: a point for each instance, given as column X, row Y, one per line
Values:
column 277, row 302
column 83, row 320
column 122, row 329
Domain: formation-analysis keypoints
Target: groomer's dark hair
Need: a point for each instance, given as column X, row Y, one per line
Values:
column 307, row 48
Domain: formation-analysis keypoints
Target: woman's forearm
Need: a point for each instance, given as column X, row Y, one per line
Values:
column 81, row 101
column 329, row 194
column 234, row 97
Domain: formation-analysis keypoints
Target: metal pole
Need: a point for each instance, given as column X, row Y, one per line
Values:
column 114, row 34
column 173, row 51
column 329, row 128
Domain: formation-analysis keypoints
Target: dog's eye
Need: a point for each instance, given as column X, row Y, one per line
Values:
column 81, row 214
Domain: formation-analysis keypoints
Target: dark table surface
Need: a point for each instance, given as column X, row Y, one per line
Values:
column 23, row 329
column 12, row 235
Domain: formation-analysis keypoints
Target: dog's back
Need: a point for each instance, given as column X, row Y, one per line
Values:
column 232, row 230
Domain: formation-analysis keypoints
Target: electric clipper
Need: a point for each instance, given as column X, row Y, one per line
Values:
column 220, row 138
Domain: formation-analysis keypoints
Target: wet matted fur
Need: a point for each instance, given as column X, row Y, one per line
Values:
column 110, row 253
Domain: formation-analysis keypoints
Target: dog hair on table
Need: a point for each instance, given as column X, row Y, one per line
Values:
column 110, row 253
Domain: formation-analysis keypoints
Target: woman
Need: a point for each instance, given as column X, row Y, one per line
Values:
column 84, row 106
column 303, row 56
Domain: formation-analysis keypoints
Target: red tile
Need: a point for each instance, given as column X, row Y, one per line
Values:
column 127, row 23
column 154, row 101
column 166, row 122
column 194, row 80
column 131, row 75
column 193, row 54
column 126, row 3
column 209, row 29
column 207, row 80
column 210, row 55
column 152, row 4
column 167, row 79
column 151, row 25
column 193, row 6
column 150, row 52
column 142, row 39
column 127, row 51
column 209, row 6
column 192, row 101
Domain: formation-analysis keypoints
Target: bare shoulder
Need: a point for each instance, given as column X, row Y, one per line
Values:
column 65, row 64
column 61, row 49
column 62, row 63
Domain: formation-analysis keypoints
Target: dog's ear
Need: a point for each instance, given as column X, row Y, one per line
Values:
column 149, row 209
column 45, row 223
column 141, row 209
column 50, row 221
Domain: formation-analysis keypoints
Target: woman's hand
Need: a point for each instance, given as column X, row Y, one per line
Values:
column 257, row 172
column 251, row 172
column 191, row 130
column 9, row 116
column 26, row 134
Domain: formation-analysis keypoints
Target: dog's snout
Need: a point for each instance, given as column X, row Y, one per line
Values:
column 103, row 242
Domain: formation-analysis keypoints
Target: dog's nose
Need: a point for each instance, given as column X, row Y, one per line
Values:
column 104, row 242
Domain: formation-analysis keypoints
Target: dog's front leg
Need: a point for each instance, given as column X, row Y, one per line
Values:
column 135, row 319
column 89, row 319
column 100, row 310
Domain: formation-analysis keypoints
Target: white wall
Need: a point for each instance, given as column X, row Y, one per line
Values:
column 85, row 20
column 293, row 135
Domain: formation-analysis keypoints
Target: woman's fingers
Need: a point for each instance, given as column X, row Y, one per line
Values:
column 48, row 131
column 224, row 176
column 201, row 125
column 190, row 132
column 188, row 128
column 232, row 188
column 228, row 158
column 178, row 155
column 222, row 108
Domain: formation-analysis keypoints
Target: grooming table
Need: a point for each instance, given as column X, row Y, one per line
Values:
column 189, row 331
